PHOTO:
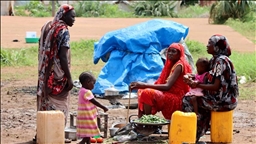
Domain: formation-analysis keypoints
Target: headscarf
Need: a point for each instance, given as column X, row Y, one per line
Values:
column 48, row 49
column 169, row 64
column 62, row 11
column 221, row 46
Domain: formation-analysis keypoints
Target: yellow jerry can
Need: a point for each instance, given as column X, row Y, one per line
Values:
column 222, row 126
column 50, row 127
column 183, row 128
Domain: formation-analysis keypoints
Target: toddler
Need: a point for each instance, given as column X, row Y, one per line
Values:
column 87, row 109
column 202, row 66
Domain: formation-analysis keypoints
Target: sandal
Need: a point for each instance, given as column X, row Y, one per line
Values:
column 34, row 139
column 68, row 140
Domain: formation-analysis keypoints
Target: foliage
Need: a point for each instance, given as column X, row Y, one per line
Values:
column 245, row 64
column 190, row 2
column 14, row 57
column 246, row 26
column 193, row 11
column 247, row 29
column 196, row 48
column 155, row 8
column 221, row 11
column 35, row 9
column 98, row 9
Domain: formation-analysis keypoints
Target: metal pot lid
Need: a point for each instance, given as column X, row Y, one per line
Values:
column 112, row 89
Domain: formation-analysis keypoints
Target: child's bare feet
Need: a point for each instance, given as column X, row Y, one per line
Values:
column 198, row 116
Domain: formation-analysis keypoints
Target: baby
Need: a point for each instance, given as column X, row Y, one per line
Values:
column 202, row 66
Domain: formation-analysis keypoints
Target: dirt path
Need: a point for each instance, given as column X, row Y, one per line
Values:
column 18, row 101
column 94, row 28
column 18, row 115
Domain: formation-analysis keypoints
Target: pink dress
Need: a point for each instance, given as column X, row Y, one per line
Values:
column 86, row 123
column 197, row 91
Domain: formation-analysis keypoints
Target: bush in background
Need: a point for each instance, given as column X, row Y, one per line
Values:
column 155, row 8
column 221, row 11
column 35, row 9
column 98, row 9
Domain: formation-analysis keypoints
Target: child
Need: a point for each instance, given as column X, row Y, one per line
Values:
column 87, row 111
column 202, row 66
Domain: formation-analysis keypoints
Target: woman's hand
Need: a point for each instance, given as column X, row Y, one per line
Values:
column 70, row 84
column 137, row 85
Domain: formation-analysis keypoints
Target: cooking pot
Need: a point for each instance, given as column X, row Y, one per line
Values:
column 111, row 91
column 113, row 131
column 70, row 133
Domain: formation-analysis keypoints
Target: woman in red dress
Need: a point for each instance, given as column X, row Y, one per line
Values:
column 166, row 93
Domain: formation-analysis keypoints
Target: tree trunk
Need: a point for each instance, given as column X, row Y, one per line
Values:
column 53, row 8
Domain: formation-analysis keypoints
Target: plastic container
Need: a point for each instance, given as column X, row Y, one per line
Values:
column 50, row 127
column 31, row 40
column 182, row 128
column 30, row 34
column 222, row 127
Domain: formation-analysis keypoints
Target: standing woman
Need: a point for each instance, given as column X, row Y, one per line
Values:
column 54, row 77
column 221, row 88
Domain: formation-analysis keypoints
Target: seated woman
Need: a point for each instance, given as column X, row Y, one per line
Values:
column 221, row 88
column 167, row 92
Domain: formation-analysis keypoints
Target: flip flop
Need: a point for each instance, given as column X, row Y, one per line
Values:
column 34, row 139
column 68, row 140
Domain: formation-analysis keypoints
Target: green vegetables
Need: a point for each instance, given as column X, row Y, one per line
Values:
column 151, row 119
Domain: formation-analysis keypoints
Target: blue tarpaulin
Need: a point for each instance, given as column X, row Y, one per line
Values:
column 133, row 53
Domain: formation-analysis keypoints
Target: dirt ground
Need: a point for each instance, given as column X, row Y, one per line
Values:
column 18, row 98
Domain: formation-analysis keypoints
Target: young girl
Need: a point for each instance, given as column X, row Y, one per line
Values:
column 87, row 111
column 202, row 66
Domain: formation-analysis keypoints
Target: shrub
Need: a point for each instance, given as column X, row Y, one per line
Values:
column 98, row 9
column 35, row 9
column 155, row 8
column 221, row 11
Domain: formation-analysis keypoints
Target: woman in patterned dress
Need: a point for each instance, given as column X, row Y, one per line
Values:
column 86, row 124
column 166, row 93
column 54, row 77
column 221, row 88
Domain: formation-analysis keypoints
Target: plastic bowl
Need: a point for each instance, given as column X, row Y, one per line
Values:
column 31, row 40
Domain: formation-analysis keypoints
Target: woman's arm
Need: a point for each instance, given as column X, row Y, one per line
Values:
column 64, row 61
column 64, row 65
column 161, row 87
column 211, row 87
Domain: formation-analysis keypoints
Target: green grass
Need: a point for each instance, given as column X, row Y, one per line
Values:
column 245, row 64
column 247, row 29
column 194, row 11
column 82, row 60
column 82, row 56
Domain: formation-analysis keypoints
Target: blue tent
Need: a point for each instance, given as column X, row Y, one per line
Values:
column 133, row 53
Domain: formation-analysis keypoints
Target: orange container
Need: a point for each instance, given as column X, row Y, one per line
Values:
column 50, row 127
column 222, row 126
column 182, row 128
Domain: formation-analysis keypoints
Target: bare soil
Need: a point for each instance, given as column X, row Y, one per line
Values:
column 18, row 98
